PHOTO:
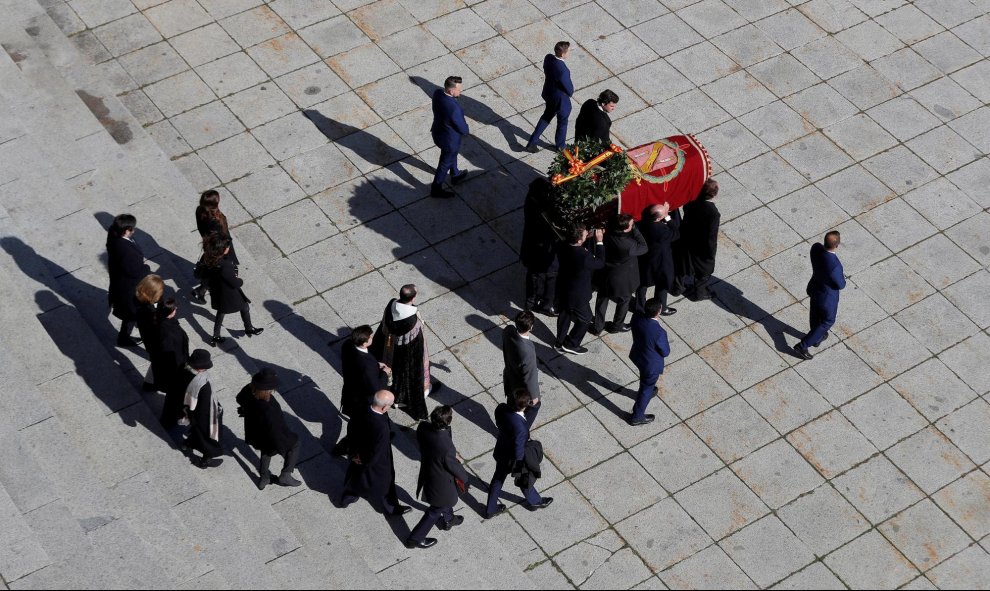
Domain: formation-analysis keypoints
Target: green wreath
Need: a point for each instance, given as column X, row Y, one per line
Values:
column 576, row 198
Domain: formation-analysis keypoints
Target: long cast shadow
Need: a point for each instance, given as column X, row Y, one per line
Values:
column 731, row 299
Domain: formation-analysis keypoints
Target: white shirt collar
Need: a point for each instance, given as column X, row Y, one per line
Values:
column 362, row 349
column 402, row 311
column 525, row 336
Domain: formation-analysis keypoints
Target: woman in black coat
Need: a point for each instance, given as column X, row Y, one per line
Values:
column 660, row 228
column 125, row 262
column 148, row 293
column 226, row 295
column 168, row 363
column 210, row 220
column 441, row 477
column 265, row 429
column 204, row 413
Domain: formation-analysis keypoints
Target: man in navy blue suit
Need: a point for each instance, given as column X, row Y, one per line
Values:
column 557, row 91
column 449, row 126
column 826, row 282
column 649, row 348
column 510, row 453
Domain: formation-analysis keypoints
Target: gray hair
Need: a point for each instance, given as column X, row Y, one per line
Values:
column 383, row 398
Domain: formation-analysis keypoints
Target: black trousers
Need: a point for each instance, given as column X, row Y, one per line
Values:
column 288, row 466
column 601, row 308
column 580, row 316
column 245, row 316
column 387, row 503
column 641, row 298
column 430, row 518
column 540, row 289
column 126, row 328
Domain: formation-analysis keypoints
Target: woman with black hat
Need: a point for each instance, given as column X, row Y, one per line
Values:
column 226, row 295
column 204, row 413
column 265, row 428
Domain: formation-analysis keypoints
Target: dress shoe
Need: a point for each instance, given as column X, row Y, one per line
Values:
column 209, row 463
column 214, row 341
column 264, row 481
column 400, row 510
column 646, row 420
column 618, row 328
column 669, row 312
column 198, row 296
column 593, row 331
column 546, row 311
column 288, row 480
column 457, row 520
column 803, row 353
column 128, row 342
column 426, row 543
column 541, row 505
column 579, row 350
column 533, row 149
column 499, row 509
column 459, row 178
column 250, row 332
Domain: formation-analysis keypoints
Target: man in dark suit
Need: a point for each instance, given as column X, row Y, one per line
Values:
column 519, row 354
column 510, row 452
column 538, row 251
column 441, row 477
column 449, row 126
column 623, row 246
column 125, row 262
column 593, row 120
column 557, row 92
column 649, row 348
column 363, row 376
column 577, row 264
column 371, row 472
column 660, row 228
column 698, row 243
column 826, row 282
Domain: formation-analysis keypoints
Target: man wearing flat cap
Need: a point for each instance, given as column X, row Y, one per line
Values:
column 265, row 428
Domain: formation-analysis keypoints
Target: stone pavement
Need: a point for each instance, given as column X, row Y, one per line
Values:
column 866, row 467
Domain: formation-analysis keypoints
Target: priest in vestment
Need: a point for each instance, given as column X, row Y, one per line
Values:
column 400, row 344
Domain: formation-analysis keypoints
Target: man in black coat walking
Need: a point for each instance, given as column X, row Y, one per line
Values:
column 538, row 251
column 371, row 472
column 519, row 354
column 125, row 262
column 265, row 428
column 660, row 227
column 363, row 376
column 623, row 245
column 593, row 121
column 574, row 287
column 510, row 454
column 441, row 477
column 168, row 361
column 699, row 243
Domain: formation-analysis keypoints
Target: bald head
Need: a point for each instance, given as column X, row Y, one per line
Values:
column 383, row 400
column 657, row 212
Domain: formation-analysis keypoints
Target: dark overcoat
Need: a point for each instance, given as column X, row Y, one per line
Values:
column 362, row 378
column 592, row 122
column 656, row 267
column 370, row 435
column 622, row 251
column 538, row 251
column 577, row 264
column 438, row 466
column 513, row 433
column 147, row 327
column 207, row 224
column 167, row 364
column 699, row 237
column 521, row 371
column 226, row 294
column 264, row 424
column 199, row 425
column 125, row 262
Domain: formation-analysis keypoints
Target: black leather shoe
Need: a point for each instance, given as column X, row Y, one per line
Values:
column 616, row 329
column 264, row 481
column 214, row 341
column 457, row 520
column 459, row 178
column 209, row 463
column 250, row 332
column 803, row 353
column 646, row 420
column 542, row 505
column 546, row 311
column 669, row 312
column 595, row 331
column 426, row 543
column 532, row 149
column 287, row 480
column 400, row 510
column 499, row 509
column 128, row 342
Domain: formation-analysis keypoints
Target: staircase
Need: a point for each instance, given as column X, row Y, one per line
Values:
column 93, row 492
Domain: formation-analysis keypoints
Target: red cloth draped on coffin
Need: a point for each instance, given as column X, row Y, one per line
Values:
column 672, row 169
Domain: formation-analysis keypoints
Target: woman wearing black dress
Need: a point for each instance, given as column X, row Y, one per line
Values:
column 204, row 413
column 125, row 262
column 226, row 295
column 148, row 293
column 168, row 363
column 210, row 220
